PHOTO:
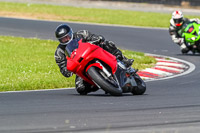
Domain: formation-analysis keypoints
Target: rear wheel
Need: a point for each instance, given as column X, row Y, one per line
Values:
column 108, row 84
column 141, row 86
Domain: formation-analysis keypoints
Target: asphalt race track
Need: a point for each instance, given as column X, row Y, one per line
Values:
column 168, row 106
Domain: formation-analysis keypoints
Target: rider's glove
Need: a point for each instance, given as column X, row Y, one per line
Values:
column 193, row 38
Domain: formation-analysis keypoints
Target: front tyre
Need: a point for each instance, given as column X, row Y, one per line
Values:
column 108, row 84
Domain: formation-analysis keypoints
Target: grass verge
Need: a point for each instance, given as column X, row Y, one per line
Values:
column 92, row 15
column 29, row 64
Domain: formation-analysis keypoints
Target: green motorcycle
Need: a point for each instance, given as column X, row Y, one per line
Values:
column 191, row 34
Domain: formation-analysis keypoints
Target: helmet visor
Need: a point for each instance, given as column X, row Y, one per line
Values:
column 178, row 22
column 66, row 39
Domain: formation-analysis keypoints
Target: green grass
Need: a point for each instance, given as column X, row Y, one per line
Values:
column 29, row 64
column 140, row 60
column 64, row 13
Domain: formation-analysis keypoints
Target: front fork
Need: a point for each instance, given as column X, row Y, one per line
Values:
column 108, row 74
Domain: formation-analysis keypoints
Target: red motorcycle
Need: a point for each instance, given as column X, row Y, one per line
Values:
column 98, row 67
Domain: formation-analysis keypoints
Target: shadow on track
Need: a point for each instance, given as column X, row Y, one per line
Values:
column 107, row 95
column 188, row 54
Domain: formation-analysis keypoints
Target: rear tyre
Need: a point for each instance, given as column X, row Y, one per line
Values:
column 141, row 86
column 109, row 85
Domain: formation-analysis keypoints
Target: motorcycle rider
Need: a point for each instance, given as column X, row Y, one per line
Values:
column 176, row 24
column 65, row 35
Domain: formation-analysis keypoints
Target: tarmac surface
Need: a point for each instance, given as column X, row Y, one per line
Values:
column 168, row 106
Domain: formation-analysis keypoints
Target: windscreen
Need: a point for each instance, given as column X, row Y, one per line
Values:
column 71, row 47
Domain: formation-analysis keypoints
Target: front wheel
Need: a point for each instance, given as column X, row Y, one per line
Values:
column 108, row 84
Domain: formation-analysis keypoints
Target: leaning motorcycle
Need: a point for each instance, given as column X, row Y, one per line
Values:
column 191, row 34
column 100, row 68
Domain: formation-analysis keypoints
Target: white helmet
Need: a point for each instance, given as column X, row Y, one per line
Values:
column 177, row 16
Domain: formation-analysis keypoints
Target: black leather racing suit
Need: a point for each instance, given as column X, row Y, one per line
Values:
column 60, row 57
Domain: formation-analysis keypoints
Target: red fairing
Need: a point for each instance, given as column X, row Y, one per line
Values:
column 81, row 58
column 96, row 65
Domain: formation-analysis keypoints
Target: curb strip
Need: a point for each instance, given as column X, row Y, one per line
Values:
column 165, row 68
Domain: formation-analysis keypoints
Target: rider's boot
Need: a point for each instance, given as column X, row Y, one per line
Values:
column 184, row 51
column 121, row 57
column 194, row 49
column 127, row 62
